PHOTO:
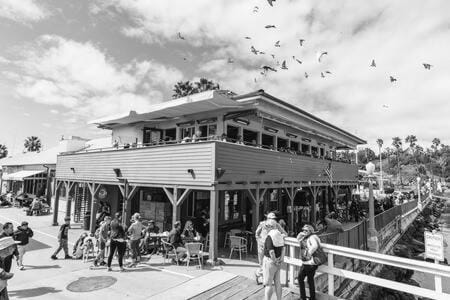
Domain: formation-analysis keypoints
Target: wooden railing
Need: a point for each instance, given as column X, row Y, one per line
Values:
column 436, row 270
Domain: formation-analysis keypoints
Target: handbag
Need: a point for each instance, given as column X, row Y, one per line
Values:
column 319, row 256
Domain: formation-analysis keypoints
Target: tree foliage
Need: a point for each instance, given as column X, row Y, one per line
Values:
column 186, row 88
column 32, row 144
column 3, row 151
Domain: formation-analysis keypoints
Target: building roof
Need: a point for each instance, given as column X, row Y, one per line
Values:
column 262, row 93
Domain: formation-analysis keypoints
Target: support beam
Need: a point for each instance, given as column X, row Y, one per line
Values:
column 183, row 197
column 213, row 226
column 68, row 186
column 56, row 205
column 315, row 192
column 92, row 223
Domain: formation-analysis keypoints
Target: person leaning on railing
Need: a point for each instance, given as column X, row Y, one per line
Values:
column 309, row 243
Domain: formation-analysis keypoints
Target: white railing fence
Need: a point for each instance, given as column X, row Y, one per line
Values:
column 436, row 270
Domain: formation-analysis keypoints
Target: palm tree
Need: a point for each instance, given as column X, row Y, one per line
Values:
column 182, row 89
column 206, row 85
column 32, row 144
column 380, row 144
column 411, row 140
column 397, row 143
column 435, row 144
column 3, row 151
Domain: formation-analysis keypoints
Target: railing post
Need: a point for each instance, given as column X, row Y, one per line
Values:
column 437, row 280
column 330, row 276
column 291, row 267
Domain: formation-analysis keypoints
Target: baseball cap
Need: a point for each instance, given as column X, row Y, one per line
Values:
column 271, row 216
column 24, row 223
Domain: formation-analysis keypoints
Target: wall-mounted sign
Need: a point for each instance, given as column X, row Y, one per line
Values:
column 434, row 245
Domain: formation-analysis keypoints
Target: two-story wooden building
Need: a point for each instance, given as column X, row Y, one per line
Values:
column 234, row 157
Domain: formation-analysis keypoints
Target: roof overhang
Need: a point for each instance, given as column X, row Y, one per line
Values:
column 197, row 103
column 19, row 176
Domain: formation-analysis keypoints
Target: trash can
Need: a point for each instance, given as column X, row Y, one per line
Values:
column 87, row 220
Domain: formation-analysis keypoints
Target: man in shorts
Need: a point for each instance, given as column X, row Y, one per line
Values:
column 273, row 257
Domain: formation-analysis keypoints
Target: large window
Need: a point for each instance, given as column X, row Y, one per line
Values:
column 232, row 205
column 170, row 134
column 315, row 151
column 282, row 144
column 152, row 135
column 187, row 132
column 208, row 130
column 295, row 146
column 267, row 141
column 322, row 152
column 250, row 137
column 232, row 133
column 305, row 148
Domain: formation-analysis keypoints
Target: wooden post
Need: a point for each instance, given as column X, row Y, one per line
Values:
column 93, row 219
column 68, row 200
column 175, row 207
column 437, row 280
column 330, row 276
column 56, row 205
column 213, row 225
column 125, row 203
column 291, row 267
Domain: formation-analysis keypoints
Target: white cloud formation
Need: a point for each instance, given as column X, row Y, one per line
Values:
column 54, row 111
column 399, row 35
column 23, row 11
column 87, row 81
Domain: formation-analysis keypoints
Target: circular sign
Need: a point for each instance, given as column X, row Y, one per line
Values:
column 102, row 193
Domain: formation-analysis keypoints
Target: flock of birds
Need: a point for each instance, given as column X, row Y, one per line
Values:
column 265, row 69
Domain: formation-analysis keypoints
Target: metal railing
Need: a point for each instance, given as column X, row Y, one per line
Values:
column 386, row 217
column 436, row 270
column 409, row 206
column 355, row 237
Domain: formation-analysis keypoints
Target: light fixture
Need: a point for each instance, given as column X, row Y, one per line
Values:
column 72, row 169
column 189, row 123
column 206, row 121
column 118, row 173
column 291, row 135
column 241, row 121
column 220, row 172
column 306, row 140
column 270, row 129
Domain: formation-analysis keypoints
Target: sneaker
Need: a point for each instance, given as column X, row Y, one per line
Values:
column 67, row 257
column 102, row 263
column 53, row 257
column 109, row 269
column 21, row 268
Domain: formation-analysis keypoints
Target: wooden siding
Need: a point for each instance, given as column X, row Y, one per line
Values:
column 243, row 163
column 165, row 164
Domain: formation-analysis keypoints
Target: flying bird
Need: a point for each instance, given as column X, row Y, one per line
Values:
column 254, row 79
column 262, row 52
column 385, row 106
column 270, row 26
column 306, row 75
column 299, row 61
column 283, row 65
column 392, row 79
column 230, row 60
column 254, row 51
column 320, row 54
column 328, row 72
column 270, row 2
column 373, row 64
column 277, row 44
column 321, row 75
column 255, row 9
column 267, row 68
column 248, row 38
column 427, row 66
column 273, row 56
column 180, row 36
column 301, row 42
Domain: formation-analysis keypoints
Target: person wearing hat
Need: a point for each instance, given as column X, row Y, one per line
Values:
column 63, row 237
column 309, row 243
column 273, row 257
column 261, row 234
column 22, row 235
column 135, row 234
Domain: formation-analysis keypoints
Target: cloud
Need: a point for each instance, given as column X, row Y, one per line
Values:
column 54, row 111
column 23, row 11
column 27, row 114
column 352, row 32
column 86, row 80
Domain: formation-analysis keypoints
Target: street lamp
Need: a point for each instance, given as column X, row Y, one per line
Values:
column 372, row 234
column 419, row 203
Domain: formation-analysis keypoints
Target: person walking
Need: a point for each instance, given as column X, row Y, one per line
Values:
column 135, row 233
column 22, row 235
column 6, row 261
column 103, row 236
column 309, row 243
column 63, row 237
column 273, row 258
column 261, row 233
column 7, row 247
column 117, row 241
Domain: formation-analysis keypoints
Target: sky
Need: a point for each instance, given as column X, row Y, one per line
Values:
column 64, row 62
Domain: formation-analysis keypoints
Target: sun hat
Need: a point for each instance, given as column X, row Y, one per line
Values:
column 271, row 215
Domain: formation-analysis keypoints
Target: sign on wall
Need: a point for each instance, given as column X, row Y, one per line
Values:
column 434, row 245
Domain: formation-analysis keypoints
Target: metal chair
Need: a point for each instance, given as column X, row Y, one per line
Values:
column 194, row 251
column 238, row 244
column 169, row 250
column 228, row 234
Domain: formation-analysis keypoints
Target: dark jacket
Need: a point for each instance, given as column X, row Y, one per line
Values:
column 23, row 235
column 117, row 230
column 175, row 238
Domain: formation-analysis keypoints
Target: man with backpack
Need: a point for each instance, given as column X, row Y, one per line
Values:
column 22, row 235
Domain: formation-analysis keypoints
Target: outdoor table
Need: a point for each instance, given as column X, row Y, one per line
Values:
column 156, row 237
column 248, row 235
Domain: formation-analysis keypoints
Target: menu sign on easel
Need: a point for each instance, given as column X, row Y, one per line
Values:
column 434, row 246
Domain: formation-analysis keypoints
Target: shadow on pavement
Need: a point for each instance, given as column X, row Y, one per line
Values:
column 42, row 267
column 35, row 292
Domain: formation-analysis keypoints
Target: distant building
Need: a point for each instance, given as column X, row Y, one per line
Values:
column 229, row 158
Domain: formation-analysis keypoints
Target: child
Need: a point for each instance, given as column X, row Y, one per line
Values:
column 63, row 237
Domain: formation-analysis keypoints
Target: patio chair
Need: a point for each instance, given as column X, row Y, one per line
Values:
column 228, row 234
column 194, row 252
column 239, row 244
column 169, row 250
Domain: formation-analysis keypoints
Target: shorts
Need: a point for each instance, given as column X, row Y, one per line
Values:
column 271, row 272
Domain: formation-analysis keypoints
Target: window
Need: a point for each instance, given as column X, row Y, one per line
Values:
column 267, row 140
column 151, row 135
column 282, row 144
column 315, row 151
column 170, row 134
column 232, row 205
column 232, row 133
column 295, row 146
column 305, row 148
column 322, row 152
column 250, row 137
column 187, row 132
column 208, row 130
